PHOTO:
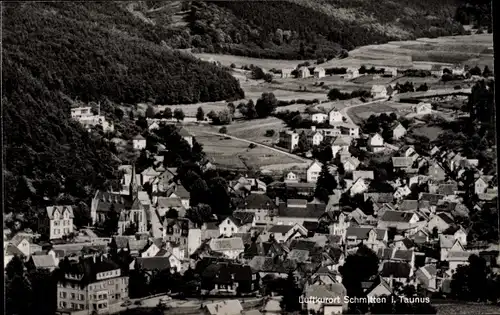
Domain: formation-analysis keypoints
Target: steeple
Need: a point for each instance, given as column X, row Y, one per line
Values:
column 133, row 188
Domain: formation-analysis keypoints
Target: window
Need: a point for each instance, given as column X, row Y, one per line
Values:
column 73, row 296
column 73, row 306
column 61, row 294
column 64, row 304
column 64, row 295
column 56, row 223
column 82, row 297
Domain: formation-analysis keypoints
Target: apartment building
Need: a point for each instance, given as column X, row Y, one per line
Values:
column 92, row 284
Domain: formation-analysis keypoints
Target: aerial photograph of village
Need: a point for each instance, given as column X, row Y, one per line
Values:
column 311, row 157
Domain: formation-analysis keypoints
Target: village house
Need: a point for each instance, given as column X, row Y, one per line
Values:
column 456, row 259
column 373, row 238
column 303, row 72
column 482, row 184
column 253, row 185
column 426, row 276
column 186, row 135
column 286, row 73
column 378, row 91
column 139, row 142
column 398, row 131
column 177, row 231
column 288, row 140
column 229, row 247
column 352, row 73
column 313, row 172
column 377, row 288
column 458, row 70
column 401, row 192
column 299, row 211
column 436, row 172
column 437, row 70
column 284, row 233
column 346, row 129
column 86, row 117
column 338, row 223
column 390, row 72
column 422, row 109
column 376, row 143
column 448, row 243
column 291, row 177
column 93, row 284
column 403, row 163
column 223, row 278
column 340, row 143
column 319, row 117
column 396, row 272
column 362, row 174
column 334, row 116
column 178, row 191
column 314, row 137
column 401, row 220
column 441, row 222
column 48, row 262
column 319, row 72
column 359, row 186
column 238, row 222
column 351, row 164
column 60, row 221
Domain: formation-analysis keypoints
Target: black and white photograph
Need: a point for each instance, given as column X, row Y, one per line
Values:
column 249, row 157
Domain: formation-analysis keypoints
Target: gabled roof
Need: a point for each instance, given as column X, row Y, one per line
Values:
column 342, row 140
column 226, row 307
column 44, row 261
column 152, row 263
column 408, row 204
column 330, row 292
column 150, row 171
column 395, row 269
column 12, row 250
column 446, row 217
column 61, row 209
column 298, row 255
column 403, row 162
column 432, row 198
column 138, row 137
column 362, row 174
column 312, row 210
column 361, row 233
column 379, row 197
column 283, row 229
column 268, row 264
column 241, row 218
column 223, row 244
column 397, row 216
column 165, row 202
column 184, row 133
column 257, row 201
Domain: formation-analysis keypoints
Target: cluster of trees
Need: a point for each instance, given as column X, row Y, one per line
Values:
column 265, row 106
column 364, row 70
column 259, row 74
column 29, row 291
column 475, row 282
column 408, row 87
column 336, row 94
column 417, row 73
column 326, row 183
column 475, row 12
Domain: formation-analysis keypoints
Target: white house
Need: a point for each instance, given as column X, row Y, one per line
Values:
column 319, row 117
column 334, row 116
column 376, row 143
column 482, row 183
column 229, row 247
column 423, row 109
column 283, row 233
column 303, row 72
column 288, row 139
column 235, row 224
column 437, row 71
column 352, row 73
column 379, row 91
column 291, row 177
column 61, row 221
column 372, row 237
column 316, row 136
column 139, row 142
column 458, row 70
column 402, row 192
column 398, row 131
column 448, row 243
column 351, row 164
column 461, row 236
column 360, row 186
column 440, row 221
column 319, row 72
column 286, row 73
column 391, row 72
column 401, row 220
column 341, row 143
column 313, row 172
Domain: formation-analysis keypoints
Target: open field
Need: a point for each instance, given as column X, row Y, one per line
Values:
column 431, row 132
column 470, row 309
column 233, row 153
column 423, row 52
column 360, row 113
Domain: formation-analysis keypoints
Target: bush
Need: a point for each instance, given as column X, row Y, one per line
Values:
column 223, row 130
column 457, row 87
column 252, row 145
column 269, row 133
column 233, row 66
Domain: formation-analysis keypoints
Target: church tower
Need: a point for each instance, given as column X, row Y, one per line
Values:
column 134, row 186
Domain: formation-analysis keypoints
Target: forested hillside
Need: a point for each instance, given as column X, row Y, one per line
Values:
column 57, row 52
column 301, row 29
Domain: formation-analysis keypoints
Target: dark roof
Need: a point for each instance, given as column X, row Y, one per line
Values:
column 310, row 226
column 269, row 264
column 363, row 232
column 221, row 272
column 395, row 269
column 432, row 198
column 184, row 133
column 257, row 201
column 408, row 205
column 90, row 268
column 447, row 189
column 139, row 137
column 446, row 217
column 446, row 207
column 379, row 197
column 397, row 216
column 312, row 210
column 152, row 263
column 242, row 217
column 302, row 244
column 105, row 200
column 280, row 229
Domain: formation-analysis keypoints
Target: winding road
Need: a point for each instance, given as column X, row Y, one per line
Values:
column 344, row 110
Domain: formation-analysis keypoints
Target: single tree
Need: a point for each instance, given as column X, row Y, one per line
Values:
column 179, row 114
column 291, row 293
column 167, row 113
column 266, row 105
column 200, row 115
column 150, row 112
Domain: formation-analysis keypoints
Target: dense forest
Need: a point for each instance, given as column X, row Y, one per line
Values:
column 54, row 53
column 299, row 29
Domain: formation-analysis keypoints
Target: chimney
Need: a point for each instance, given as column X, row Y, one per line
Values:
column 391, row 281
column 313, row 128
column 277, row 201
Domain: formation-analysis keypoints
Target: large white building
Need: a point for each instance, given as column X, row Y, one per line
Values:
column 60, row 221
column 85, row 117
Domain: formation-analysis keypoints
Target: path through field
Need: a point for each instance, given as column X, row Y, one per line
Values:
column 345, row 111
column 258, row 144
